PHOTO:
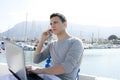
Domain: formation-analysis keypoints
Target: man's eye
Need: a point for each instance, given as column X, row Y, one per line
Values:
column 55, row 22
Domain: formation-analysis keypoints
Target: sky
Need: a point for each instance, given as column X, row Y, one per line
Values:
column 105, row 13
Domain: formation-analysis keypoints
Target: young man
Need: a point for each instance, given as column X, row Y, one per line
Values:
column 66, row 53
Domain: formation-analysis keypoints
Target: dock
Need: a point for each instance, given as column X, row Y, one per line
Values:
column 3, row 69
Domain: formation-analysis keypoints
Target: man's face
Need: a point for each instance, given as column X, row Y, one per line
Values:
column 57, row 25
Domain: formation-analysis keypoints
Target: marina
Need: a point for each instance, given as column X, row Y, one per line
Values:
column 97, row 64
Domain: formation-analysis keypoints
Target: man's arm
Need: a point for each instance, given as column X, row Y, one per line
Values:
column 41, row 54
column 39, row 47
column 55, row 70
column 44, row 37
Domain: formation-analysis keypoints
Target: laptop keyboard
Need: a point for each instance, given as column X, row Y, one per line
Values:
column 33, row 76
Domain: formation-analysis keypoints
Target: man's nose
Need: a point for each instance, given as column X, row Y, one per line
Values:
column 52, row 26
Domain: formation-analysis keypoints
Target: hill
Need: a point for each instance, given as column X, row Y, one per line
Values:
column 31, row 30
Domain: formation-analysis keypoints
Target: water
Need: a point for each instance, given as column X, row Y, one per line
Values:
column 29, row 59
column 102, row 63
column 98, row 62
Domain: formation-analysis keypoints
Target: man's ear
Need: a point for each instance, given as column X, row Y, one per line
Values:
column 65, row 24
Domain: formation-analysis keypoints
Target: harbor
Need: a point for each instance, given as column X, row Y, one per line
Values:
column 97, row 64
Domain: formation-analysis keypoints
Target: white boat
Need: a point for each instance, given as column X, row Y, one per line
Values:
column 26, row 47
column 4, row 70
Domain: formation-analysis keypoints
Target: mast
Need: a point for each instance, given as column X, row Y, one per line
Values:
column 92, row 38
column 26, row 28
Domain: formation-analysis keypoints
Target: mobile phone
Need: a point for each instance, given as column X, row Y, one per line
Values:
column 50, row 32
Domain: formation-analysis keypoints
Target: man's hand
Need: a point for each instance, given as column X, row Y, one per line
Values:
column 45, row 35
column 55, row 70
column 33, row 69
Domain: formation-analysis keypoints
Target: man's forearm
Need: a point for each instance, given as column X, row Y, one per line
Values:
column 55, row 70
column 39, row 47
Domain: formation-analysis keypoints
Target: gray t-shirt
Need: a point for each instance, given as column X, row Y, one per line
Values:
column 67, row 52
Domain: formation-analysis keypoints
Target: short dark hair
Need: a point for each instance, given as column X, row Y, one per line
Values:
column 61, row 16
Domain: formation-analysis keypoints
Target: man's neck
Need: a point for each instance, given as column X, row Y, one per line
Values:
column 63, row 36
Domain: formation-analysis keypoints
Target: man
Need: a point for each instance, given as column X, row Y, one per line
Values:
column 66, row 53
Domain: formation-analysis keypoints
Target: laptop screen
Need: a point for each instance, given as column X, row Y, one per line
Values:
column 15, row 60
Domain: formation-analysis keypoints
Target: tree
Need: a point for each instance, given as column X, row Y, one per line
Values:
column 112, row 37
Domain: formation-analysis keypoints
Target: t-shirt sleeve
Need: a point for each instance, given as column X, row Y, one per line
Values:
column 43, row 55
column 73, row 56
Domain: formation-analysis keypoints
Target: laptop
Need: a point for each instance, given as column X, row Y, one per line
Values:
column 16, row 62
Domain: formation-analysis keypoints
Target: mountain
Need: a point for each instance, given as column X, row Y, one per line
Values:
column 31, row 30
column 24, row 30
